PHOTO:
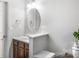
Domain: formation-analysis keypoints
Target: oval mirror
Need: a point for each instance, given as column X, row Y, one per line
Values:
column 33, row 20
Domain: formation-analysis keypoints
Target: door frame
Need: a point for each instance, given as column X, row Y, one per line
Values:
column 5, row 27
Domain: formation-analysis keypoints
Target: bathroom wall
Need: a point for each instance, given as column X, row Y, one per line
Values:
column 16, row 21
column 61, row 18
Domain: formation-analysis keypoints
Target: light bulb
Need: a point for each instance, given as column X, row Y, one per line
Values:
column 31, row 5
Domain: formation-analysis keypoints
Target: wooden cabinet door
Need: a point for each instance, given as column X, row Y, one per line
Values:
column 15, row 51
column 15, row 42
column 26, row 50
column 20, row 49
column 21, row 52
column 26, row 53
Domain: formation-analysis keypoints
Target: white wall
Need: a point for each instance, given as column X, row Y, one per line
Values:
column 61, row 17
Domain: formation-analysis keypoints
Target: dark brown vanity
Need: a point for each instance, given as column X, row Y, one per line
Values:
column 20, row 49
column 28, row 46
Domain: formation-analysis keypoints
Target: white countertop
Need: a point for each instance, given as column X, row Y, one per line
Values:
column 22, row 38
column 26, row 38
column 37, row 35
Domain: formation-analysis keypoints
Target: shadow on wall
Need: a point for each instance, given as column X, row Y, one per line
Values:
column 11, row 50
column 55, row 48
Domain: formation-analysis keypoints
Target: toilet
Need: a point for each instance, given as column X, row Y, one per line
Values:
column 44, row 54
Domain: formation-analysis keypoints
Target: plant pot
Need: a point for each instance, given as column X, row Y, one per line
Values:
column 76, row 44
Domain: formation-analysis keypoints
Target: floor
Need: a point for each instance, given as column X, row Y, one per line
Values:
column 64, row 56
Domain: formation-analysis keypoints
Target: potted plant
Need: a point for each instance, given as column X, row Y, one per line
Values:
column 76, row 35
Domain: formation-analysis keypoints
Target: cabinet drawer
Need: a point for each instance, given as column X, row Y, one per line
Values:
column 21, row 44
column 15, row 42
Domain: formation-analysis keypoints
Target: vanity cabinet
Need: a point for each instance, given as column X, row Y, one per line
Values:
column 20, row 49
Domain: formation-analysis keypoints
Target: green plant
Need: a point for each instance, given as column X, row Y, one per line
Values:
column 76, row 35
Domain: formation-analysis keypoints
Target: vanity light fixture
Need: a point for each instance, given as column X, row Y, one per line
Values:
column 31, row 4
